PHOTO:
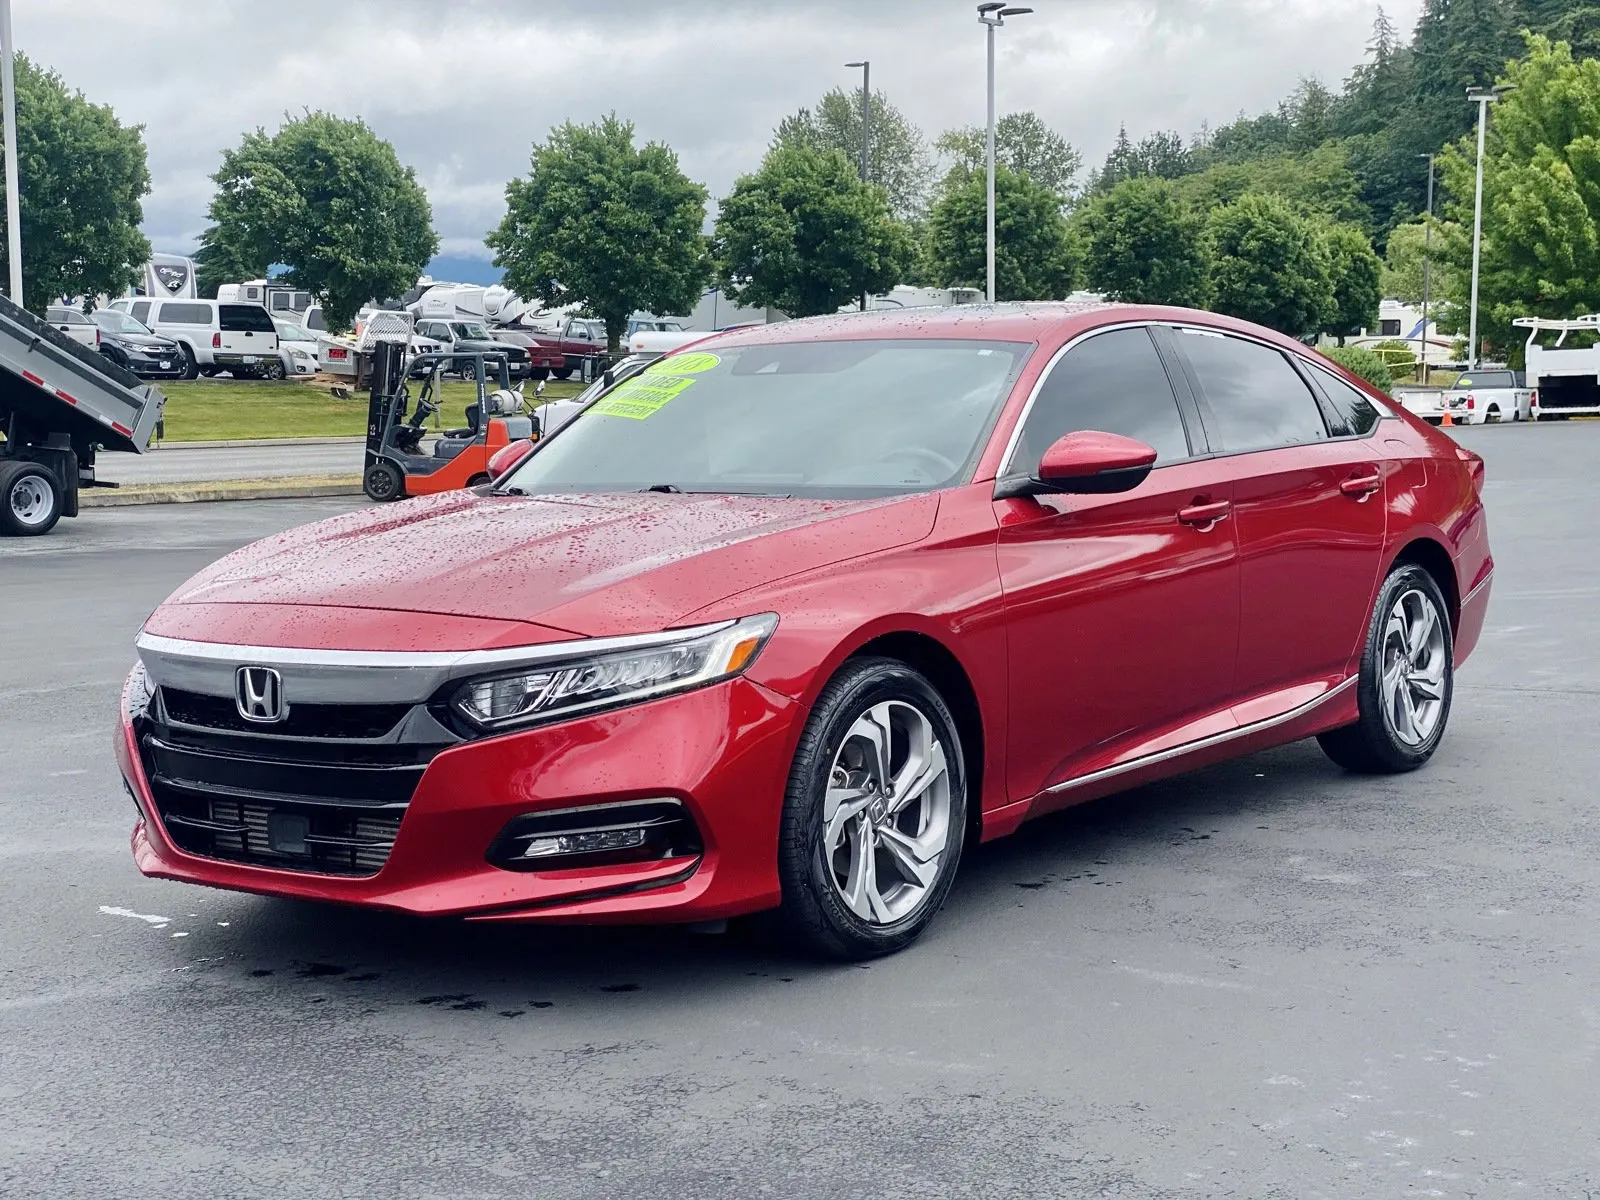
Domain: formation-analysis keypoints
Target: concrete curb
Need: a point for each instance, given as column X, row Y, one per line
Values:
column 290, row 488
column 169, row 444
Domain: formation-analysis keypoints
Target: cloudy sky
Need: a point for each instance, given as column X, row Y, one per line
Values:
column 463, row 88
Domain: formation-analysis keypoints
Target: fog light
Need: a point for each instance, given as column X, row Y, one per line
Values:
column 585, row 843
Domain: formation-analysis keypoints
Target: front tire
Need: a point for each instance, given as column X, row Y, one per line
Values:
column 874, row 816
column 191, row 366
column 383, row 482
column 1407, row 680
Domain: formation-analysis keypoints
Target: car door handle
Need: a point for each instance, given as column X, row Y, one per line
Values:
column 1361, row 486
column 1204, row 516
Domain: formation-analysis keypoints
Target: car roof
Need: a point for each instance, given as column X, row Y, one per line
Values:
column 1032, row 321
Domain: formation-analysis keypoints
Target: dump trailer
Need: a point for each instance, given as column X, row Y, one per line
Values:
column 60, row 404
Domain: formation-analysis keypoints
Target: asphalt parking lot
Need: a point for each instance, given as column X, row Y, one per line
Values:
column 1267, row 979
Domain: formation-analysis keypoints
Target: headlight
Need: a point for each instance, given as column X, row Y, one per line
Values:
column 560, row 689
column 296, row 352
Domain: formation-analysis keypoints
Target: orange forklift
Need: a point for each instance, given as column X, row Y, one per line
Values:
column 396, row 466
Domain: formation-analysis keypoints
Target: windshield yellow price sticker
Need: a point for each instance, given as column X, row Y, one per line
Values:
column 695, row 363
column 640, row 397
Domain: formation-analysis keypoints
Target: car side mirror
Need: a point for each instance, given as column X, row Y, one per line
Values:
column 506, row 459
column 1089, row 462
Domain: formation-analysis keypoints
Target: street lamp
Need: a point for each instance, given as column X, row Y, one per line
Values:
column 993, row 14
column 1427, row 249
column 866, row 131
column 1482, row 97
column 8, row 87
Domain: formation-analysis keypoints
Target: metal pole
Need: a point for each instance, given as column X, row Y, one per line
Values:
column 989, row 159
column 866, row 135
column 8, row 85
column 1477, row 239
column 1427, row 266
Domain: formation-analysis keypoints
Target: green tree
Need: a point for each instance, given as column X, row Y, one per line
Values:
column 1356, row 273
column 605, row 224
column 1541, row 212
column 1320, row 182
column 805, row 235
column 328, row 198
column 1022, row 142
column 1364, row 364
column 1144, row 246
column 1403, row 263
column 1268, row 266
column 81, row 175
column 1035, row 256
column 1162, row 155
column 897, row 153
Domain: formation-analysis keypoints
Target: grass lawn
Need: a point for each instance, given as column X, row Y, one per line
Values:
column 229, row 409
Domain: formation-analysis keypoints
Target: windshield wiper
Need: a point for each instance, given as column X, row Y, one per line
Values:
column 671, row 488
column 513, row 491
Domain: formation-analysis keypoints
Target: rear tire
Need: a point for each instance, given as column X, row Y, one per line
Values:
column 561, row 372
column 538, row 374
column 1407, row 680
column 874, row 815
column 383, row 482
column 30, row 499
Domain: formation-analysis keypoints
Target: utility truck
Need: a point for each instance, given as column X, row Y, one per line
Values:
column 1565, row 380
column 61, row 403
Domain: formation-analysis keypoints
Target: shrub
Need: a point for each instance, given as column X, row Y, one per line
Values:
column 1363, row 363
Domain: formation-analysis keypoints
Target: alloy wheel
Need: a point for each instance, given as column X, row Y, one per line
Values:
column 1415, row 659
column 886, row 813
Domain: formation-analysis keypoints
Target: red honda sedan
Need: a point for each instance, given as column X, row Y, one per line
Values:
column 790, row 619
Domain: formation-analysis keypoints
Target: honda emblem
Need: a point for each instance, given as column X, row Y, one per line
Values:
column 258, row 691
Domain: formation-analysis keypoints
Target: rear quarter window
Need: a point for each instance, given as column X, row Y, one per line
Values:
column 184, row 314
column 1353, row 412
column 242, row 318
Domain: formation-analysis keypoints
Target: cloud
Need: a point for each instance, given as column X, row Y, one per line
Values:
column 463, row 90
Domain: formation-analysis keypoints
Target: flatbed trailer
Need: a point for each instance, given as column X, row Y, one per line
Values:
column 60, row 405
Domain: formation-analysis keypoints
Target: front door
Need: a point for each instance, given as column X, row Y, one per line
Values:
column 1308, row 503
column 1123, row 610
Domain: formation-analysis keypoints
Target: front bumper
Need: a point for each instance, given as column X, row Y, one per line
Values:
column 722, row 751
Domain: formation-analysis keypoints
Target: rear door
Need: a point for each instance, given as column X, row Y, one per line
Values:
column 1123, row 610
column 247, row 329
column 1309, row 513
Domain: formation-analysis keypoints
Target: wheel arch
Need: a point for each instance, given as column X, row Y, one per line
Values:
column 932, row 658
column 1434, row 558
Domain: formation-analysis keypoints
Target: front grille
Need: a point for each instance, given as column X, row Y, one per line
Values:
column 303, row 721
column 322, row 792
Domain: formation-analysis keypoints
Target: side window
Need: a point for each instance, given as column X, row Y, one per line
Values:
column 1114, row 383
column 314, row 319
column 1357, row 412
column 141, row 311
column 185, row 314
column 1257, row 400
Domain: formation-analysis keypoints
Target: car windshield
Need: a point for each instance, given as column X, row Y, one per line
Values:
column 118, row 322
column 815, row 418
column 291, row 332
column 469, row 329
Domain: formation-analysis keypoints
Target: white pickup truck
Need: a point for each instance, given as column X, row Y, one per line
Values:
column 1476, row 398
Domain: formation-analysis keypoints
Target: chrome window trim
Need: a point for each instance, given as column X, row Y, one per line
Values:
column 1049, row 368
column 1205, row 743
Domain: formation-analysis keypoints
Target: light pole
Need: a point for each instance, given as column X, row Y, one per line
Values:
column 993, row 14
column 1427, row 249
column 866, row 132
column 8, row 86
column 1482, row 97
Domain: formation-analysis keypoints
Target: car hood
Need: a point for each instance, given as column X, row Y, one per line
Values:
column 145, row 341
column 486, row 346
column 592, row 565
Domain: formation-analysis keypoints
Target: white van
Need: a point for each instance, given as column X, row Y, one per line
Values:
column 215, row 335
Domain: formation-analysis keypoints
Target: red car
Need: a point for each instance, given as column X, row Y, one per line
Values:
column 791, row 618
